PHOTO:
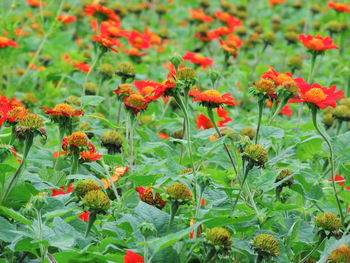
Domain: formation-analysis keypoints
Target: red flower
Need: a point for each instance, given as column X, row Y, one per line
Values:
column 163, row 136
column 66, row 19
column 5, row 42
column 339, row 7
column 231, row 44
column 212, row 98
column 35, row 3
column 90, row 155
column 146, row 87
column 63, row 109
column 230, row 20
column 111, row 28
column 6, row 107
column 205, row 123
column 216, row 33
column 286, row 110
column 200, row 15
column 338, row 178
column 139, row 40
column 107, row 42
column 148, row 196
column 134, row 52
column 198, row 59
column 118, row 171
column 317, row 43
column 315, row 94
column 84, row 216
column 82, row 66
column 276, row 2
column 136, row 103
column 164, row 90
column 62, row 190
column 278, row 78
column 101, row 13
column 132, row 257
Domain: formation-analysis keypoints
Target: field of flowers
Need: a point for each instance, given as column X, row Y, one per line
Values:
column 174, row 131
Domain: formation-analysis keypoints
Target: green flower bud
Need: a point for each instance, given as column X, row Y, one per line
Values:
column 255, row 154
column 265, row 86
column 126, row 70
column 266, row 245
column 317, row 25
column 29, row 99
column 342, row 113
column 269, row 38
column 231, row 134
column 328, row 222
column 187, row 76
column 96, row 200
column 345, row 102
column 291, row 37
column 297, row 4
column 284, row 174
column 292, row 28
column 241, row 31
column 203, row 180
column 85, row 186
column 31, row 121
column 146, row 119
column 90, row 88
column 315, row 8
column 214, row 75
column 248, row 131
column 295, row 62
column 38, row 201
column 219, row 237
column 73, row 100
column 328, row 120
column 161, row 9
column 107, row 70
column 179, row 193
column 179, row 134
column 112, row 140
column 147, row 229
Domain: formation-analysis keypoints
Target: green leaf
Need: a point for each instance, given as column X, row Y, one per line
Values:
column 6, row 229
column 14, row 215
column 308, row 148
column 92, row 100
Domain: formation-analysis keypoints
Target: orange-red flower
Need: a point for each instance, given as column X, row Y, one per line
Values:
column 66, row 19
column 337, row 178
column 199, row 14
column 62, row 190
column 111, row 28
column 146, row 87
column 5, row 42
column 139, row 40
column 35, row 3
column 231, row 44
column 135, row 103
column 339, row 7
column 84, row 216
column 10, row 110
column 212, row 98
column 315, row 94
column 133, row 51
column 101, row 13
column 198, row 59
column 231, row 21
column 82, row 66
column 148, row 196
column 63, row 109
column 90, row 155
column 205, row 123
column 216, row 33
column 107, row 42
column 124, row 89
column 118, row 171
column 163, row 135
column 317, row 43
column 165, row 90
column 278, row 78
column 132, row 257
column 276, row 2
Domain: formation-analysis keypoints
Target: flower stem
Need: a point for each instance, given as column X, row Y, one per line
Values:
column 312, row 251
column 61, row 132
column 98, row 57
column 278, row 109
column 173, row 210
column 187, row 126
column 212, row 119
column 260, row 109
column 246, row 172
column 27, row 146
column 75, row 163
column 331, row 160
column 92, row 219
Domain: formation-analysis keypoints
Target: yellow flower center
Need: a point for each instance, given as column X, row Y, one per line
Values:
column 138, row 40
column 199, row 57
column 63, row 107
column 316, row 43
column 136, row 100
column 124, row 88
column 18, row 112
column 3, row 40
column 282, row 78
column 212, row 93
column 265, row 85
column 315, row 95
column 78, row 138
column 148, row 89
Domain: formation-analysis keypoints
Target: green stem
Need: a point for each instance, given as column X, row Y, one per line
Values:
column 313, row 250
column 28, row 145
column 313, row 62
column 145, row 251
column 92, row 219
column 278, row 109
column 188, row 132
column 102, row 163
column 331, row 160
column 40, row 234
column 173, row 210
column 260, row 109
column 339, row 127
column 98, row 57
column 212, row 119
column 75, row 163
column 246, row 172
column 131, row 139
column 61, row 132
